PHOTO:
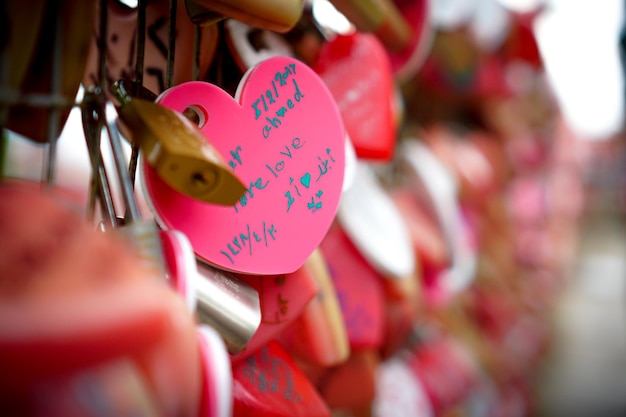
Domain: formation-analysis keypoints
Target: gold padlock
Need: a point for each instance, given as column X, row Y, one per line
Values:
column 180, row 153
column 276, row 15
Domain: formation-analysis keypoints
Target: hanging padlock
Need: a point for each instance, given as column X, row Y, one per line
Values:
column 359, row 290
column 292, row 164
column 399, row 392
column 250, row 45
column 180, row 153
column 406, row 62
column 377, row 229
column 181, row 270
column 99, row 187
column 283, row 298
column 229, row 305
column 442, row 189
column 271, row 384
column 319, row 334
column 276, row 15
column 358, row 73
column 351, row 386
column 143, row 235
column 123, row 49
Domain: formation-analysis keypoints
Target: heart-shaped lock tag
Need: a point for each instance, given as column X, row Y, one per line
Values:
column 443, row 190
column 318, row 334
column 376, row 226
column 283, row 137
column 359, row 290
column 270, row 384
column 356, row 69
column 283, row 297
column 351, row 385
column 447, row 369
column 399, row 392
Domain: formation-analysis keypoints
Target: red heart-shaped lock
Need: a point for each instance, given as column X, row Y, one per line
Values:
column 269, row 384
column 399, row 392
column 75, row 300
column 319, row 334
column 447, row 371
column 283, row 297
column 352, row 385
column 283, row 137
column 359, row 289
column 357, row 71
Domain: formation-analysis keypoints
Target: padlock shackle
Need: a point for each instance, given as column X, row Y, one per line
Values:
column 92, row 128
column 126, row 185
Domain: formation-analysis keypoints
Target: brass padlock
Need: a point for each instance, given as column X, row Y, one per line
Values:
column 180, row 153
column 276, row 15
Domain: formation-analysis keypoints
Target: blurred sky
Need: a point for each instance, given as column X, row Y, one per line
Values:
column 579, row 42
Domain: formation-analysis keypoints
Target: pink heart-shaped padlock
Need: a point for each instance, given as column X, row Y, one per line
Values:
column 357, row 71
column 283, row 137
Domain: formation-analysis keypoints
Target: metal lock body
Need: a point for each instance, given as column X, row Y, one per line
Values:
column 180, row 152
column 276, row 15
column 229, row 305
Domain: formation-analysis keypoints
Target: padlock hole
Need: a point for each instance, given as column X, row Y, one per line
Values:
column 197, row 115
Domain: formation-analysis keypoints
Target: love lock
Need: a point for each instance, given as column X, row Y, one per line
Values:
column 180, row 153
column 276, row 15
column 376, row 227
column 229, row 305
column 121, row 46
column 357, row 71
column 442, row 189
column 272, row 138
column 141, row 234
column 266, row 44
